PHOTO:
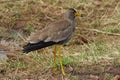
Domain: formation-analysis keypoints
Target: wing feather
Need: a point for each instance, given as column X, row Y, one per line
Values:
column 56, row 32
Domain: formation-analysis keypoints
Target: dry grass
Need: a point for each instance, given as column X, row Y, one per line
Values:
column 98, row 58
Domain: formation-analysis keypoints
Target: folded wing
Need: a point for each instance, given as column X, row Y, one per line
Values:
column 55, row 33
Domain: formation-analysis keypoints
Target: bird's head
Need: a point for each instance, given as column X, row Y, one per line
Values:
column 71, row 13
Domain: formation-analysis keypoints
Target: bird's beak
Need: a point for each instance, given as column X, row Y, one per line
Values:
column 77, row 14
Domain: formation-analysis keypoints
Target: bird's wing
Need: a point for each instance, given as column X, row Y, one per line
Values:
column 55, row 32
column 38, row 36
column 62, row 30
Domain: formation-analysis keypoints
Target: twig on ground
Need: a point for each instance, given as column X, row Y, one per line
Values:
column 103, row 32
column 22, row 38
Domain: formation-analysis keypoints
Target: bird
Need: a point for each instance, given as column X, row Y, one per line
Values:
column 56, row 33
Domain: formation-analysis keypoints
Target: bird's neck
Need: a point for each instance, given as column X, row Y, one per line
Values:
column 71, row 18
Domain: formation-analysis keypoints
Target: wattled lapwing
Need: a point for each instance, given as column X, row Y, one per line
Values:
column 56, row 33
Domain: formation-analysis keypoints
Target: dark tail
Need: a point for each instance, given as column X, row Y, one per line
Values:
column 32, row 47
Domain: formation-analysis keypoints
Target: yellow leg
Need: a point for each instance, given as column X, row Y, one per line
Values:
column 54, row 52
column 60, row 59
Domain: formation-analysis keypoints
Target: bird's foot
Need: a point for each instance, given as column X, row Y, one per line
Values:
column 63, row 72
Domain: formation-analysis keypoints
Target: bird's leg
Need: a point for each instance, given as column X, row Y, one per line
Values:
column 54, row 52
column 60, row 59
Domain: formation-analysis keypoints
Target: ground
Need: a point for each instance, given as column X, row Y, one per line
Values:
column 93, row 53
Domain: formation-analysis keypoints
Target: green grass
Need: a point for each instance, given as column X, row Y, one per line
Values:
column 100, row 52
